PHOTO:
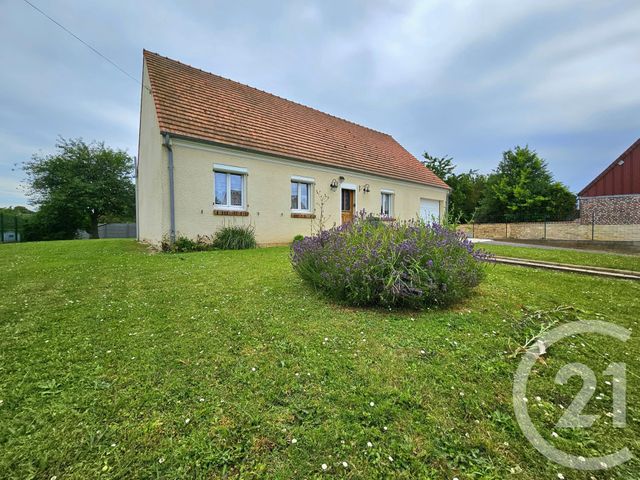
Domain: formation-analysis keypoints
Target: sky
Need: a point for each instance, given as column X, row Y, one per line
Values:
column 464, row 78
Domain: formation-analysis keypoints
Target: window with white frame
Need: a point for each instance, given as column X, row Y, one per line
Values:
column 386, row 203
column 301, row 189
column 229, row 187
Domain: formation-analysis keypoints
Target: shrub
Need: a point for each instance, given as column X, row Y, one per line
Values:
column 235, row 237
column 297, row 238
column 411, row 264
column 185, row 244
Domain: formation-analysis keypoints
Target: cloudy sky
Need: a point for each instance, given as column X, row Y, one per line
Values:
column 458, row 77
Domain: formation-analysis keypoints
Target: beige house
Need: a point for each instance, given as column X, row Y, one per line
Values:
column 214, row 152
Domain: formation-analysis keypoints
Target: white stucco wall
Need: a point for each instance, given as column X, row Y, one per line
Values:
column 152, row 193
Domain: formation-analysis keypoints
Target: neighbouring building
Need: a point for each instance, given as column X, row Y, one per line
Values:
column 213, row 152
column 613, row 197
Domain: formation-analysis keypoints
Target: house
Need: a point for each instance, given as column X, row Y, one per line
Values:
column 613, row 197
column 215, row 152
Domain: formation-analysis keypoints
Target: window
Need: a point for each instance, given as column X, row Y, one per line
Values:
column 386, row 204
column 300, row 195
column 229, row 190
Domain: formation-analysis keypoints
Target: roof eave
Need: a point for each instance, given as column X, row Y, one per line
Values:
column 297, row 159
column 606, row 170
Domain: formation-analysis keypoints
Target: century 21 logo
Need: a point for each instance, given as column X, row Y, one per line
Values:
column 573, row 416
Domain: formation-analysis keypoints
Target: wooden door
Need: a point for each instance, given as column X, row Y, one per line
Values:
column 348, row 204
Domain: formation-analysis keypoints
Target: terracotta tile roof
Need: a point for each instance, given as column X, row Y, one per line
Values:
column 196, row 104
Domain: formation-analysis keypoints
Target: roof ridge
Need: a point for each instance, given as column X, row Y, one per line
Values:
column 267, row 93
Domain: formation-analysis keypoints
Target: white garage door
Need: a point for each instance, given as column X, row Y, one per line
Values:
column 430, row 210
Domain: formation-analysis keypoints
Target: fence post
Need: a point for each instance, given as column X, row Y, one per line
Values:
column 593, row 225
column 545, row 227
column 2, row 227
column 473, row 229
column 506, row 229
column 15, row 227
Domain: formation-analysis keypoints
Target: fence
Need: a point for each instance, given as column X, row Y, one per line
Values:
column 11, row 228
column 117, row 230
column 571, row 231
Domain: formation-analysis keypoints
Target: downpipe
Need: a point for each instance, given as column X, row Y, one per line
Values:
column 172, row 208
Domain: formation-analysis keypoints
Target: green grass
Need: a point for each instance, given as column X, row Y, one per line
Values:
column 117, row 363
column 605, row 260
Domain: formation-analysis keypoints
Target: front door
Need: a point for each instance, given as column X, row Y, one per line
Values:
column 348, row 204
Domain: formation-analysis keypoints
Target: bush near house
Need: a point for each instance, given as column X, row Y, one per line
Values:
column 227, row 238
column 235, row 237
column 411, row 264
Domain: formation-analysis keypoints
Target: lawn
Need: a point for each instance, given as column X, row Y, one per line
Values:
column 118, row 363
column 605, row 260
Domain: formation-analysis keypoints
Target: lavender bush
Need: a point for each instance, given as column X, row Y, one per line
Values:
column 411, row 264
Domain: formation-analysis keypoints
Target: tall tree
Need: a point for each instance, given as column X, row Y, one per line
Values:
column 522, row 188
column 80, row 184
column 467, row 190
column 443, row 167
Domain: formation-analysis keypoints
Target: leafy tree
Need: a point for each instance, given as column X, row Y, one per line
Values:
column 443, row 167
column 18, row 210
column 78, row 185
column 522, row 188
column 467, row 190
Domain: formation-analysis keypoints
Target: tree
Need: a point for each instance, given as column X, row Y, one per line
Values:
column 443, row 167
column 522, row 188
column 467, row 189
column 78, row 185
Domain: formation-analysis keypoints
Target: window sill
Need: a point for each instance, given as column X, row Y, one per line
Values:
column 231, row 213
column 388, row 219
column 302, row 215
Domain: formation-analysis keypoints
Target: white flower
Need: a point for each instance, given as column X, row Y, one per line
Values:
column 554, row 434
column 186, row 421
column 253, row 369
column 371, row 404
column 390, row 458
column 384, row 428
column 538, row 399
column 369, row 444
column 582, row 459
column 607, row 382
column 561, row 476
column 326, row 339
column 345, row 464
column 525, row 399
column 324, row 466
column 462, row 394
column 293, row 440
column 113, row 444
column 161, row 460
column 201, row 399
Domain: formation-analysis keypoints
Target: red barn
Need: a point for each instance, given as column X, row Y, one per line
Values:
column 613, row 197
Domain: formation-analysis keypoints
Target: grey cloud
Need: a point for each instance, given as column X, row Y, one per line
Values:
column 467, row 78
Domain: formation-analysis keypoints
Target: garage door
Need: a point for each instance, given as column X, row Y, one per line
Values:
column 430, row 210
